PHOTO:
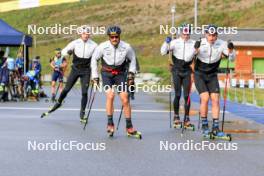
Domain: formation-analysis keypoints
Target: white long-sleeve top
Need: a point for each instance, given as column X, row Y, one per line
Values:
column 113, row 56
column 81, row 49
column 212, row 53
column 181, row 49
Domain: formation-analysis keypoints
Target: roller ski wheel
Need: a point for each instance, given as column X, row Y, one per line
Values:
column 189, row 126
column 110, row 130
column 220, row 136
column 133, row 133
column 56, row 106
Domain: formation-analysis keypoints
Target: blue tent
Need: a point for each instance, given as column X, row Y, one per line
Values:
column 9, row 36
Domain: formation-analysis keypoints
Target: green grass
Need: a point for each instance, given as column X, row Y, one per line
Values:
column 251, row 96
column 240, row 18
column 139, row 20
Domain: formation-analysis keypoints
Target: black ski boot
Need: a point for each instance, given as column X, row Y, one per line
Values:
column 177, row 122
column 83, row 119
column 188, row 125
column 56, row 106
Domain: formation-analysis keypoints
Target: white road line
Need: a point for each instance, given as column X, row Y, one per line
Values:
column 77, row 109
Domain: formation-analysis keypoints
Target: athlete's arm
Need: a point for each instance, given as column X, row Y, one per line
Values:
column 68, row 49
column 229, row 51
column 132, row 57
column 98, row 53
column 52, row 64
column 166, row 47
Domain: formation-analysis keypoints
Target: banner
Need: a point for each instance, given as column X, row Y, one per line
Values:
column 24, row 4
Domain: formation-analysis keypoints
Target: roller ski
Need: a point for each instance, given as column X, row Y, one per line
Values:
column 131, row 132
column 56, row 106
column 187, row 125
column 177, row 124
column 110, row 130
column 217, row 134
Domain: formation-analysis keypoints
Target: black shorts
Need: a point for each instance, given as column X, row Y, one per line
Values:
column 111, row 81
column 206, row 82
column 57, row 76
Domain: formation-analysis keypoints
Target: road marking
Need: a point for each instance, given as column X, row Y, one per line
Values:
column 77, row 109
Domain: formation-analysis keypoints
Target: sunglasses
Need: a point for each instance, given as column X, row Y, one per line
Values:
column 114, row 37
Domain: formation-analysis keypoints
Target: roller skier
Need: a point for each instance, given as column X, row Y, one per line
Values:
column 58, row 64
column 114, row 54
column 183, row 53
column 210, row 50
column 82, row 50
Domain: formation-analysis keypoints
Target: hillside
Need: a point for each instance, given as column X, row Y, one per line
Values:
column 139, row 20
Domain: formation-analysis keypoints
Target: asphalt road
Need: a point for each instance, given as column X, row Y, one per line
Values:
column 20, row 126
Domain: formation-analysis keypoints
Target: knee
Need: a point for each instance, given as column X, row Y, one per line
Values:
column 110, row 96
column 125, row 101
column 215, row 101
column 204, row 100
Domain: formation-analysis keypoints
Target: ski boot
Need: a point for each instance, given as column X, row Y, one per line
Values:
column 56, row 106
column 110, row 129
column 205, row 128
column 176, row 122
column 131, row 132
column 217, row 134
column 187, row 124
column 83, row 119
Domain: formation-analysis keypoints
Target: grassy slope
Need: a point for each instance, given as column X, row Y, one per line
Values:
column 139, row 19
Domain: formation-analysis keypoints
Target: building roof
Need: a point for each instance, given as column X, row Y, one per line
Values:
column 244, row 37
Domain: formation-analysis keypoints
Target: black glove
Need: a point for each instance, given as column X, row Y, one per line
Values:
column 230, row 45
column 197, row 44
column 70, row 52
column 131, row 76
